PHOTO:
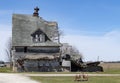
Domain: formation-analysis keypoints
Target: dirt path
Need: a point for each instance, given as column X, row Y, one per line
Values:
column 15, row 78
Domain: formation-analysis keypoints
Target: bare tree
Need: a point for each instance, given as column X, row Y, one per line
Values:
column 57, row 34
column 71, row 50
column 8, row 50
column 60, row 34
column 75, row 54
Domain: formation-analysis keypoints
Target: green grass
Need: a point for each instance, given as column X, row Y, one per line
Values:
column 71, row 80
column 5, row 70
column 110, row 71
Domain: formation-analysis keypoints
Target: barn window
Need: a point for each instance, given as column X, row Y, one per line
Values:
column 25, row 49
column 38, row 36
column 41, row 38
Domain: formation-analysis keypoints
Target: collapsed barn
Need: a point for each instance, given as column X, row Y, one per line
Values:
column 36, row 47
column 72, row 61
column 35, row 43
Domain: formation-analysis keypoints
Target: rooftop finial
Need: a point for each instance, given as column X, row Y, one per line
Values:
column 36, row 12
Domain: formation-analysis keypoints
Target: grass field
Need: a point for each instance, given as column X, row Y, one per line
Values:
column 110, row 71
column 113, row 68
column 5, row 70
column 71, row 80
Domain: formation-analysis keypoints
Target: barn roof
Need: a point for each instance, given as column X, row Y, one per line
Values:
column 25, row 25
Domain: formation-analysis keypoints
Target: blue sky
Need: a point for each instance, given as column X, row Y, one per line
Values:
column 95, row 24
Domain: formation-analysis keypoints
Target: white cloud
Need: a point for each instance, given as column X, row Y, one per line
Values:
column 107, row 47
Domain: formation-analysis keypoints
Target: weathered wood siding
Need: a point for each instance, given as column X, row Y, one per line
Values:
column 38, row 49
column 41, row 65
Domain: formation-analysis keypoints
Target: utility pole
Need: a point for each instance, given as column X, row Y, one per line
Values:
column 98, row 58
